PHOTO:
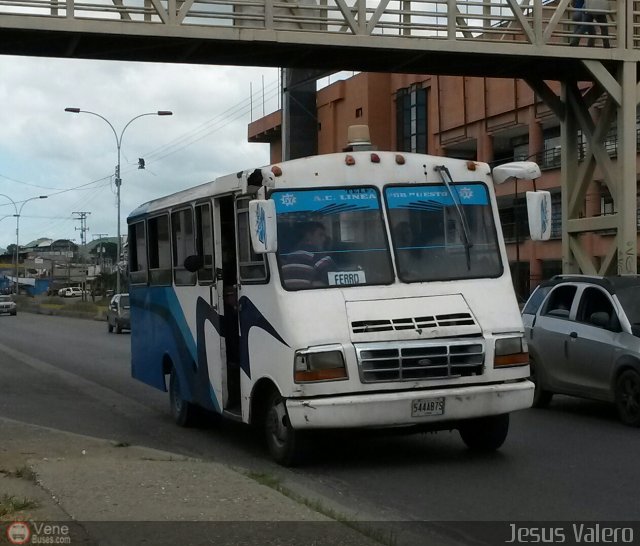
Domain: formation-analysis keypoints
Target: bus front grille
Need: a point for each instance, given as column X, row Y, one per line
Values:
column 411, row 361
column 412, row 323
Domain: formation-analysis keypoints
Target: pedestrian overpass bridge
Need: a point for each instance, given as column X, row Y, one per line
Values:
column 526, row 39
column 460, row 37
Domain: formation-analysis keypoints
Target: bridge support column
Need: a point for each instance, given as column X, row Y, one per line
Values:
column 299, row 113
column 611, row 101
column 627, row 177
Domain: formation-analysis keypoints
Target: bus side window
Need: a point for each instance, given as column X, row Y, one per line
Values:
column 183, row 245
column 137, row 254
column 253, row 267
column 159, row 250
column 204, row 242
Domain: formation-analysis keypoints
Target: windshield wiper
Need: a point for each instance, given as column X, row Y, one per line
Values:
column 445, row 175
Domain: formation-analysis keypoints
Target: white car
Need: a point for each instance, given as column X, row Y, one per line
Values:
column 7, row 305
column 70, row 291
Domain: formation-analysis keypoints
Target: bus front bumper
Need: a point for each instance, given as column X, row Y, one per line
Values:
column 416, row 407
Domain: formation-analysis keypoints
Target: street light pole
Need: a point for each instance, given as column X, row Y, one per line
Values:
column 17, row 216
column 118, row 179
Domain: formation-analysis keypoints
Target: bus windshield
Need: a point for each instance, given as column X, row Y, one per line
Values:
column 434, row 239
column 331, row 238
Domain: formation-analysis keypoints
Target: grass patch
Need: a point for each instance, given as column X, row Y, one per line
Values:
column 52, row 305
column 86, row 306
column 51, row 300
column 385, row 538
column 10, row 504
column 25, row 473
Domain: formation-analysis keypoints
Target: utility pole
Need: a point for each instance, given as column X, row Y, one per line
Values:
column 82, row 217
column 99, row 236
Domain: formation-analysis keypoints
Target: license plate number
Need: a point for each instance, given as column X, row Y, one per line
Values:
column 427, row 406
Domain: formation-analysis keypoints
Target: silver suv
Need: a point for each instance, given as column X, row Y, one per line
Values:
column 584, row 340
column 118, row 314
column 7, row 305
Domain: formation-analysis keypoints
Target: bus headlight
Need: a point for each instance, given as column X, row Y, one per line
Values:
column 319, row 364
column 511, row 351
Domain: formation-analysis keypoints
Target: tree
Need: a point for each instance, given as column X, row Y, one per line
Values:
column 110, row 251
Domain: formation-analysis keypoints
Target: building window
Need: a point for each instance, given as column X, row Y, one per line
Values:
column 514, row 219
column 358, row 112
column 411, row 119
column 520, row 151
column 552, row 148
column 551, row 268
column 606, row 201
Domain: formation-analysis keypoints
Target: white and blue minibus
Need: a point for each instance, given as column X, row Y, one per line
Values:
column 403, row 314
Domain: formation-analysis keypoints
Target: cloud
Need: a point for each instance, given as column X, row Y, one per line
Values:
column 45, row 150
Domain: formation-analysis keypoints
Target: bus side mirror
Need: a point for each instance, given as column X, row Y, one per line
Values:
column 263, row 225
column 539, row 213
column 193, row 263
column 526, row 170
column 538, row 202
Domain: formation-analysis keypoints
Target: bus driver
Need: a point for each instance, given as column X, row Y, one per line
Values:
column 308, row 264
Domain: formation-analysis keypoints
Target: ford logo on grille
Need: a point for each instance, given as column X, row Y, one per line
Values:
column 424, row 361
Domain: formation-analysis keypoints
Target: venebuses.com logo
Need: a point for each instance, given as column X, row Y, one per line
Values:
column 23, row 532
column 19, row 532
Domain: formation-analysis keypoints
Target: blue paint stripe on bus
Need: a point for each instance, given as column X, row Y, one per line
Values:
column 161, row 329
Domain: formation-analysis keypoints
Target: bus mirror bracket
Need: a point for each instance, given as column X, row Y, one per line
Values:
column 193, row 263
column 263, row 226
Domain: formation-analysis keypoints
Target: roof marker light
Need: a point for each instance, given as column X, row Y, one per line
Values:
column 400, row 159
column 375, row 158
column 349, row 160
column 471, row 165
column 277, row 171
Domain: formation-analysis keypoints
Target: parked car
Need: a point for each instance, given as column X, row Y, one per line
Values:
column 118, row 314
column 7, row 305
column 70, row 291
column 583, row 334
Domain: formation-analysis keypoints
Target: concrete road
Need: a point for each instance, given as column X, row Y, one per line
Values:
column 574, row 461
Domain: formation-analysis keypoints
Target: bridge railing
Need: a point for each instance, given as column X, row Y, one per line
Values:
column 535, row 22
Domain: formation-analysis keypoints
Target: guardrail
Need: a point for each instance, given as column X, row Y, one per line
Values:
column 534, row 22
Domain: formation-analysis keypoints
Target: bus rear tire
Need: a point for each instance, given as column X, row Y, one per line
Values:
column 485, row 434
column 284, row 442
column 183, row 412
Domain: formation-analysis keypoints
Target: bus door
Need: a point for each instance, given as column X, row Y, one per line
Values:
column 227, row 304
column 207, row 290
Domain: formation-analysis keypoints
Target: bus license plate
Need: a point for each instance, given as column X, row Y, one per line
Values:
column 427, row 406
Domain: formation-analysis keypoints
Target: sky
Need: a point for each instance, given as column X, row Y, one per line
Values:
column 71, row 158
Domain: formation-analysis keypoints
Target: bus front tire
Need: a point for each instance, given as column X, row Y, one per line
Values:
column 284, row 442
column 183, row 412
column 485, row 433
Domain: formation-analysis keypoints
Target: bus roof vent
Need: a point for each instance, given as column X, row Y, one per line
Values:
column 358, row 138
